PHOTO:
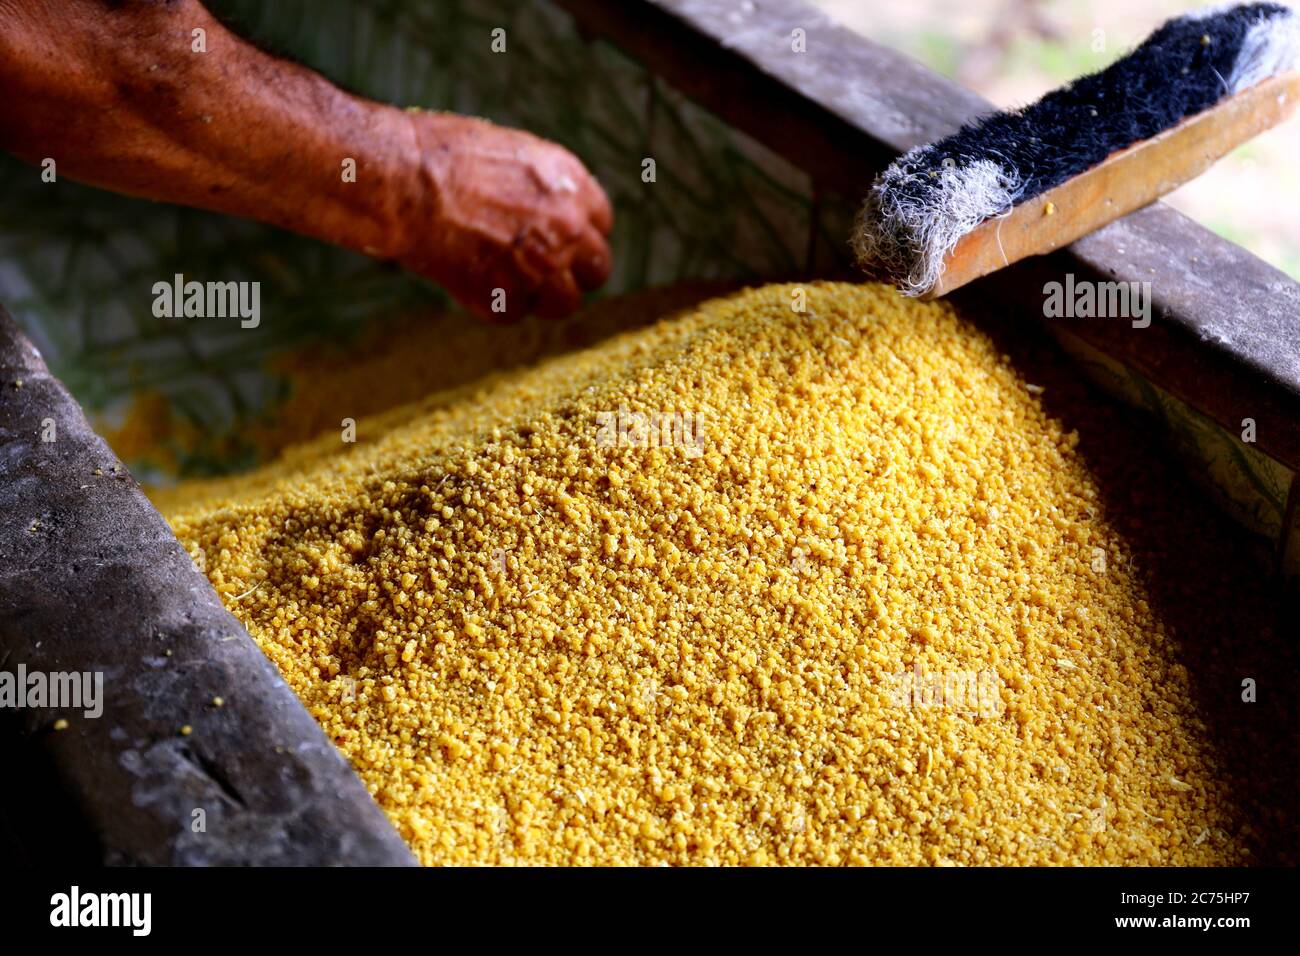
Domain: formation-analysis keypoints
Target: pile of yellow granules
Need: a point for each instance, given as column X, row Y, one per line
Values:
column 860, row 600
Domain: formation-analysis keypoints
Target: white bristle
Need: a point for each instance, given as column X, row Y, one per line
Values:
column 914, row 238
column 1271, row 47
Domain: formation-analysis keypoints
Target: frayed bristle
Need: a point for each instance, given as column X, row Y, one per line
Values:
column 1271, row 47
column 933, row 195
column 909, row 235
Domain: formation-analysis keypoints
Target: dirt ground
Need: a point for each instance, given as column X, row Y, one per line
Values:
column 1013, row 51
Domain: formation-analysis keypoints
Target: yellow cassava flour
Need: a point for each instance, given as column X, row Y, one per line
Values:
column 858, row 599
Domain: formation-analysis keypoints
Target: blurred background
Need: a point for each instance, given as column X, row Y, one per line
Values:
column 1013, row 51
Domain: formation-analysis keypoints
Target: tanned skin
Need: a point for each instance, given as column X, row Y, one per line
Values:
column 114, row 93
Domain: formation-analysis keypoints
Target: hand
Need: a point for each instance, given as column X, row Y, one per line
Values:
column 515, row 225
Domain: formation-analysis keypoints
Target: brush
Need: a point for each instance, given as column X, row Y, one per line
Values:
column 1027, row 181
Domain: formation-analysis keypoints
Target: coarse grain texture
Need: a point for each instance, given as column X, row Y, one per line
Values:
column 537, row 647
column 390, row 361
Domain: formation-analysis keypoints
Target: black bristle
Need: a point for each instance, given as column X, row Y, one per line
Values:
column 1181, row 70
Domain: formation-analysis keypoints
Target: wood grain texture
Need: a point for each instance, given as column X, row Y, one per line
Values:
column 92, row 579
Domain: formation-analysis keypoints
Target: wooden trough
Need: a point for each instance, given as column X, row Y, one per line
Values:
column 91, row 578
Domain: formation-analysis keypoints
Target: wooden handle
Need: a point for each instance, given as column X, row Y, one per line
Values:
column 1126, row 180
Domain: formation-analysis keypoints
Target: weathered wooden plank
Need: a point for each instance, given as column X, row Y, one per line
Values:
column 93, row 580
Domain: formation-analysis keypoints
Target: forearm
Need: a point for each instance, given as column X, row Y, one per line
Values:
column 116, row 95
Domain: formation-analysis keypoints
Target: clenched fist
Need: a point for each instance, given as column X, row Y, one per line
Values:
column 515, row 225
